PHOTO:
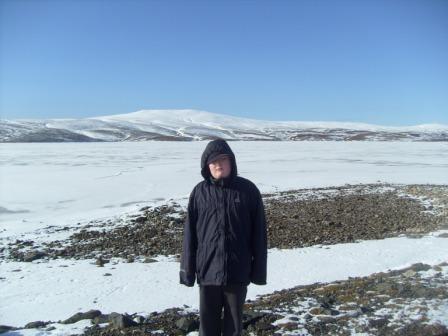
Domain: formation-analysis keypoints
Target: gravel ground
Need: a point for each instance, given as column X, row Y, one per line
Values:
column 406, row 302
column 296, row 218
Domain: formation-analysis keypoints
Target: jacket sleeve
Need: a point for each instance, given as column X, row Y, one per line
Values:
column 189, row 245
column 259, row 242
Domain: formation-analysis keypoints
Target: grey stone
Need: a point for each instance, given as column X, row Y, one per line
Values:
column 35, row 324
column 91, row 314
column 418, row 267
column 5, row 328
column 186, row 324
column 101, row 319
column 34, row 255
column 139, row 319
column 120, row 321
column 409, row 273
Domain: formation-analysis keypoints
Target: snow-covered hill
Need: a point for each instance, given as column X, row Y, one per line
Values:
column 186, row 125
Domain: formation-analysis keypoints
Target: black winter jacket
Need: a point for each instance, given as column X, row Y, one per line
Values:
column 225, row 238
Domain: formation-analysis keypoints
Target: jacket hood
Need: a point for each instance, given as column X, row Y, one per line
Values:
column 213, row 148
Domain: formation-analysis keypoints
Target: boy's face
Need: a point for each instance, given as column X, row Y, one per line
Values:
column 220, row 167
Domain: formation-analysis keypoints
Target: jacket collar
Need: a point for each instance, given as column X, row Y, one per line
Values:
column 222, row 182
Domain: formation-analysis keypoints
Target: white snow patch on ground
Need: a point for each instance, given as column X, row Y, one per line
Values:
column 59, row 330
column 57, row 289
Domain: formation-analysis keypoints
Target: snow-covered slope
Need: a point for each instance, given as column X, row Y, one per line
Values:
column 201, row 125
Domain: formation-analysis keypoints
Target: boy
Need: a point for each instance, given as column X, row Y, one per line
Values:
column 225, row 241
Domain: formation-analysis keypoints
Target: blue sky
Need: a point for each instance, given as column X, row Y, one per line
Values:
column 382, row 62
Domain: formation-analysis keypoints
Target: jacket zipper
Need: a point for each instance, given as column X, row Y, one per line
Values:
column 225, row 236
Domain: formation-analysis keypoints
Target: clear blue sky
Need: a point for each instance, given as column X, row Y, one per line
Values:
column 378, row 61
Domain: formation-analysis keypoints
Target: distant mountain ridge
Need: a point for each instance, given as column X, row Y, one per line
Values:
column 189, row 125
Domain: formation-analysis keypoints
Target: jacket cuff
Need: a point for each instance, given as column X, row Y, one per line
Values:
column 258, row 278
column 187, row 279
column 258, row 281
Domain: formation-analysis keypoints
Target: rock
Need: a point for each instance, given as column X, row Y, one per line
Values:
column 323, row 311
column 288, row 325
column 91, row 314
column 317, row 311
column 334, row 312
column 5, row 328
column 251, row 317
column 120, row 321
column 139, row 319
column 418, row 267
column 409, row 274
column 264, row 326
column 100, row 262
column 308, row 316
column 418, row 328
column 34, row 255
column 101, row 319
column 140, row 219
column 384, row 287
column 378, row 323
column 187, row 325
column 353, row 313
column 35, row 324
column 366, row 310
column 326, row 318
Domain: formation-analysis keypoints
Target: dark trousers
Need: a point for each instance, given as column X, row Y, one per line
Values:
column 212, row 299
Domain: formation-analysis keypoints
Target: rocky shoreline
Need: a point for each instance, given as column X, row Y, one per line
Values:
column 296, row 218
column 391, row 303
column 411, row 301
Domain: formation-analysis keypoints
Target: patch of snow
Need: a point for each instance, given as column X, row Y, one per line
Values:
column 46, row 290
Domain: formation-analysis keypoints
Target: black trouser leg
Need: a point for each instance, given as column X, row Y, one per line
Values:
column 210, row 307
column 212, row 300
column 234, row 297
